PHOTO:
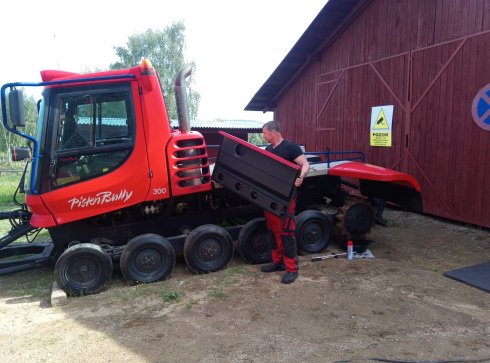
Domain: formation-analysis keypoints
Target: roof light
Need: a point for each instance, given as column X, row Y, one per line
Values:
column 146, row 67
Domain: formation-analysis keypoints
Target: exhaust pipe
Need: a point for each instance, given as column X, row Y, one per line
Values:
column 192, row 166
column 181, row 99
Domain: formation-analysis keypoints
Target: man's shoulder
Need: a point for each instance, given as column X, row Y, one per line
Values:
column 292, row 145
column 289, row 142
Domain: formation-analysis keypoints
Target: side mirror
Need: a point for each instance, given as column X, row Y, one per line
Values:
column 20, row 153
column 16, row 106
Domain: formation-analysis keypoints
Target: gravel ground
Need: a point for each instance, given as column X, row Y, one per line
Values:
column 396, row 307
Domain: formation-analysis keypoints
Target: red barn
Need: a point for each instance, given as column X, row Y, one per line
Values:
column 430, row 60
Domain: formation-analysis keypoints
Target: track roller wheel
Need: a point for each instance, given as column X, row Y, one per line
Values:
column 147, row 258
column 83, row 269
column 355, row 218
column 313, row 231
column 255, row 242
column 208, row 248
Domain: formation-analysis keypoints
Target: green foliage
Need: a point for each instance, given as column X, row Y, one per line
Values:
column 256, row 139
column 29, row 285
column 165, row 50
column 8, row 184
column 217, row 293
column 171, row 296
column 190, row 304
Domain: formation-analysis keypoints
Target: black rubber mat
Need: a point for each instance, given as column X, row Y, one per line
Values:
column 477, row 275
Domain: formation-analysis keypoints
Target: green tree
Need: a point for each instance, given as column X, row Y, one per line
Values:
column 165, row 50
column 256, row 139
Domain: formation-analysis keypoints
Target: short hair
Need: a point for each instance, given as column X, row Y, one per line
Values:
column 272, row 125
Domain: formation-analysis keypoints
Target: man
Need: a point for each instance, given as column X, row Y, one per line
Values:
column 284, row 251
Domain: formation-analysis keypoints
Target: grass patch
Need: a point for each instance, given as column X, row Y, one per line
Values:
column 132, row 292
column 217, row 293
column 233, row 274
column 8, row 184
column 235, row 270
column 190, row 304
column 30, row 283
column 171, row 296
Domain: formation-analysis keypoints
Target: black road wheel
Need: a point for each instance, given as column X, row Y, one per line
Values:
column 354, row 219
column 83, row 269
column 147, row 258
column 208, row 248
column 313, row 231
column 255, row 242
column 358, row 220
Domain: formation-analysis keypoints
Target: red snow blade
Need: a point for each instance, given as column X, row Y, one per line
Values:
column 359, row 170
column 378, row 182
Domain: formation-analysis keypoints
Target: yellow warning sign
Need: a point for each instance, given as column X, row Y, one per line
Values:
column 381, row 122
column 380, row 139
column 381, row 126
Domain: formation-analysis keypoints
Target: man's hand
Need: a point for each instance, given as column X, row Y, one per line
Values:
column 298, row 181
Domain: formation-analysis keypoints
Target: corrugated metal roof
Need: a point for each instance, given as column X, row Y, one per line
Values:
column 306, row 49
column 250, row 125
column 107, row 121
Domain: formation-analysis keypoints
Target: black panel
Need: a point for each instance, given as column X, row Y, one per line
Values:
column 255, row 175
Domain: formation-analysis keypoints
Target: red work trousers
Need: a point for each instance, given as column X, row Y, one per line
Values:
column 284, row 248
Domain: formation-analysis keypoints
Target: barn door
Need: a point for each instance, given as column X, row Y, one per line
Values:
column 444, row 144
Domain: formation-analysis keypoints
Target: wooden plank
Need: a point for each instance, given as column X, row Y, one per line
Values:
column 453, row 23
column 470, row 186
column 421, row 22
column 438, row 21
column 482, row 71
column 465, row 16
column 445, row 124
column 458, row 133
column 402, row 86
column 485, row 14
column 427, row 131
column 415, row 21
column 485, row 151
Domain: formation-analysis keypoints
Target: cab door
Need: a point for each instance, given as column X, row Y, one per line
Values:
column 98, row 160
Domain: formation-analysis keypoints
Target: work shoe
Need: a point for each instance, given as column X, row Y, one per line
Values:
column 272, row 267
column 289, row 277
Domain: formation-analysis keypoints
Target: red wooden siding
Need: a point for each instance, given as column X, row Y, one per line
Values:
column 428, row 58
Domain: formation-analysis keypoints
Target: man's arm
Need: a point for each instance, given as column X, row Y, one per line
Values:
column 305, row 167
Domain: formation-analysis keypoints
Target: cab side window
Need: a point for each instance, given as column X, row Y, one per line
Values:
column 94, row 135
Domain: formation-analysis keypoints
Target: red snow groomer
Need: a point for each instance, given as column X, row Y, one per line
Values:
column 112, row 182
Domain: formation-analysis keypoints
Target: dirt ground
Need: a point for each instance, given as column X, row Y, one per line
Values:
column 396, row 307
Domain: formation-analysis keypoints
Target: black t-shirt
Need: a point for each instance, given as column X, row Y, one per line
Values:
column 286, row 150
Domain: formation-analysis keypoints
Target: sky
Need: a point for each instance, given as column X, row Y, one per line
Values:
column 236, row 45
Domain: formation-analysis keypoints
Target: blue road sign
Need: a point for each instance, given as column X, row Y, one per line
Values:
column 480, row 108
